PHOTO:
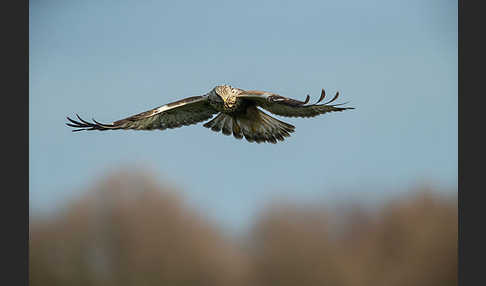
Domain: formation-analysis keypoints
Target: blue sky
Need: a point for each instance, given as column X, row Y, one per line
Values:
column 396, row 61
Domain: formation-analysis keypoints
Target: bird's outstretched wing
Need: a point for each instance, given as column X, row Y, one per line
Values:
column 285, row 106
column 187, row 111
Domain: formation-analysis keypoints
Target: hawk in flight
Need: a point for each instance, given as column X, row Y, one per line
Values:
column 238, row 111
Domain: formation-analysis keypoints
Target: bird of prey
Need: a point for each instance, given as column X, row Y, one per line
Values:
column 238, row 111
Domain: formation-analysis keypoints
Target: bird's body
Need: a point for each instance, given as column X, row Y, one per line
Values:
column 224, row 98
column 238, row 114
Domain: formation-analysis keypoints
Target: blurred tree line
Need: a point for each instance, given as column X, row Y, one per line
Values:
column 128, row 230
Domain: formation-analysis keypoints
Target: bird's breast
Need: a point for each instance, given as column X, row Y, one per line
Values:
column 229, row 105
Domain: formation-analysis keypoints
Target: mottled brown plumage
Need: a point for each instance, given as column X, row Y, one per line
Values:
column 239, row 114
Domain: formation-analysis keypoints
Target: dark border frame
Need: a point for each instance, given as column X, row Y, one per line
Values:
column 470, row 208
column 15, row 196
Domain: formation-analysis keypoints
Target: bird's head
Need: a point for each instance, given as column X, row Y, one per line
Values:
column 226, row 93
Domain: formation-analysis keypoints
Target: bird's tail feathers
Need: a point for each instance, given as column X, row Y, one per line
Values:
column 254, row 125
column 222, row 122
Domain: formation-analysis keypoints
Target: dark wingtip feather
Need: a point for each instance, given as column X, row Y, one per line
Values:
column 334, row 98
column 323, row 94
column 102, row 124
column 307, row 98
column 85, row 125
column 73, row 121
column 72, row 125
column 85, row 122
